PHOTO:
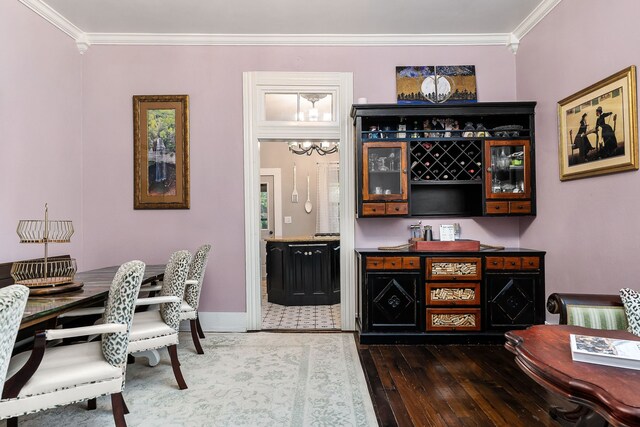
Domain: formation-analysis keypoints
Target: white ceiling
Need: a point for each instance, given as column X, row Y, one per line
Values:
column 328, row 22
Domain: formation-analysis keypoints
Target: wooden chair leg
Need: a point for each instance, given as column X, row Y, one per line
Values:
column 117, row 404
column 200, row 333
column 194, row 336
column 124, row 404
column 12, row 422
column 175, row 364
column 130, row 359
column 92, row 404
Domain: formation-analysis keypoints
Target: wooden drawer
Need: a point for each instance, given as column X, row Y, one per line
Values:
column 375, row 263
column 497, row 207
column 495, row 263
column 373, row 209
column 453, row 319
column 411, row 263
column 392, row 263
column 520, row 207
column 530, row 263
column 513, row 263
column 454, row 269
column 453, row 294
column 397, row 209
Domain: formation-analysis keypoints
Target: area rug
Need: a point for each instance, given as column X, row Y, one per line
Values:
column 248, row 379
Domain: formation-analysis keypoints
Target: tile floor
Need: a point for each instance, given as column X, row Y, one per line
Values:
column 322, row 317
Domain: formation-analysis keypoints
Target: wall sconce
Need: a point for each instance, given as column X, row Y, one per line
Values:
column 308, row 147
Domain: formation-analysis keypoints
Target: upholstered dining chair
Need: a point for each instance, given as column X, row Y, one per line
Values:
column 189, row 307
column 49, row 377
column 156, row 329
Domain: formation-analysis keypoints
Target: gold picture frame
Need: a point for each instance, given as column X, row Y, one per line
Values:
column 598, row 128
column 161, row 152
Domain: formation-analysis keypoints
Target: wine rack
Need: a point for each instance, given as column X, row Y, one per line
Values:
column 446, row 160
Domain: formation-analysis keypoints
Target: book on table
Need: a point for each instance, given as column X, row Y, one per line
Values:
column 606, row 351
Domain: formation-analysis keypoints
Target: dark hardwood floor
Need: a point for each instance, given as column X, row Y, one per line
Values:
column 456, row 385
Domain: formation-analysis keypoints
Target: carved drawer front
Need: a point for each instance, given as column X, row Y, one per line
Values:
column 393, row 263
column 453, row 319
column 453, row 294
column 454, row 269
column 411, row 263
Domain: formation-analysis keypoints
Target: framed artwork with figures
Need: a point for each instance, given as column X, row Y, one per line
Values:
column 161, row 151
column 598, row 128
column 436, row 84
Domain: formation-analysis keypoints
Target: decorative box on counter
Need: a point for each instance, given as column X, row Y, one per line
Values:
column 438, row 246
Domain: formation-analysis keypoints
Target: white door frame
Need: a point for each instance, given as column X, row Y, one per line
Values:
column 276, row 173
column 253, row 83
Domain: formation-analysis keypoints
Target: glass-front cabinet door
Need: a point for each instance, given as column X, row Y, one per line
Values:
column 508, row 169
column 384, row 171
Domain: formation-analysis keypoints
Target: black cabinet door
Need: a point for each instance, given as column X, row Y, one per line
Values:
column 276, row 255
column 310, row 274
column 514, row 301
column 393, row 301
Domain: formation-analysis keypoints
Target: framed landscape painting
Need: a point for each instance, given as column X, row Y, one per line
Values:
column 598, row 128
column 161, row 151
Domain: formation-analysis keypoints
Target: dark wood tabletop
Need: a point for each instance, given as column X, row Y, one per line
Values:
column 544, row 353
column 96, row 288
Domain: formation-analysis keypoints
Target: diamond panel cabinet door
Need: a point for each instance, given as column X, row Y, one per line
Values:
column 394, row 301
column 511, row 299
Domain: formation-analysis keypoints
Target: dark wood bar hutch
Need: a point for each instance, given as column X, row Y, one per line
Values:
column 484, row 166
column 448, row 297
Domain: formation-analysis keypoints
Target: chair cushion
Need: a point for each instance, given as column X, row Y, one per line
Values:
column 631, row 301
column 66, row 366
column 187, row 312
column 596, row 316
column 149, row 324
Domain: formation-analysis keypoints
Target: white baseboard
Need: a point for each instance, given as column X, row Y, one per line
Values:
column 219, row 322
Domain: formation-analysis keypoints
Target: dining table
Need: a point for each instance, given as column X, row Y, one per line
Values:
column 95, row 289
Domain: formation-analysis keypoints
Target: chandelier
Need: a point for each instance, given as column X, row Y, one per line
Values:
column 308, row 147
column 313, row 98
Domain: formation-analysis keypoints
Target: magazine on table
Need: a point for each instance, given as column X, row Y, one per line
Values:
column 606, row 351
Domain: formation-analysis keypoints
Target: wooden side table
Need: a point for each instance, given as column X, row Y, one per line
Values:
column 604, row 394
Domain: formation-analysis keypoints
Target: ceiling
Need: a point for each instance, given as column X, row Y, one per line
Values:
column 326, row 21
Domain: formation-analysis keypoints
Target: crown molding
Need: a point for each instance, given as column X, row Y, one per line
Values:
column 296, row 39
column 534, row 18
column 85, row 40
column 62, row 23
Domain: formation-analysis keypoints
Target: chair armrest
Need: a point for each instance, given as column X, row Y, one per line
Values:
column 58, row 334
column 157, row 300
column 83, row 312
column 191, row 282
column 151, row 288
column 14, row 384
column 557, row 302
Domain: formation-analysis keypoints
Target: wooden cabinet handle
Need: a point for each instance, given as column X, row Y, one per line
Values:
column 495, row 263
column 497, row 208
column 513, row 263
column 397, row 209
column 374, row 209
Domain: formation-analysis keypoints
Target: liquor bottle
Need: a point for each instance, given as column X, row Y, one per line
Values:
column 415, row 133
column 402, row 127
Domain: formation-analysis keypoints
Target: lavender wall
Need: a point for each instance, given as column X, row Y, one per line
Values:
column 40, row 119
column 589, row 227
column 212, row 76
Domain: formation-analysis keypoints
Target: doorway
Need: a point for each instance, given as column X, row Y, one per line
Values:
column 258, row 129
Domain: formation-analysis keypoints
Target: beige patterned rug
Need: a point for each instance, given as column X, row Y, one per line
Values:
column 250, row 379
